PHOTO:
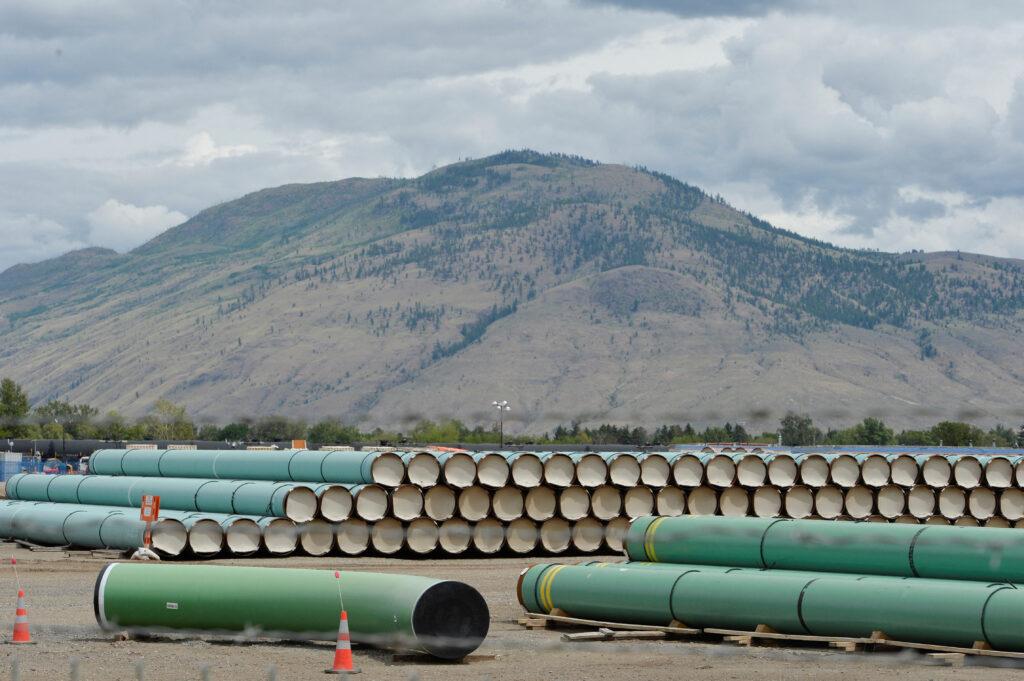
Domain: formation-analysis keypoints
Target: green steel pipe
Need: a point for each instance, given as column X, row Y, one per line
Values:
column 296, row 465
column 934, row 551
column 245, row 497
column 91, row 527
column 444, row 618
column 527, row 470
column 945, row 612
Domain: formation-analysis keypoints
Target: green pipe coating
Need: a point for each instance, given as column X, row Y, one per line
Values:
column 986, row 554
column 945, row 612
column 444, row 618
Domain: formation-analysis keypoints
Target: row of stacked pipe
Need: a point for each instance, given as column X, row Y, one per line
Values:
column 450, row 502
column 952, row 586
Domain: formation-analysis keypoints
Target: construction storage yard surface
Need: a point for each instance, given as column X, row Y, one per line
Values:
column 59, row 587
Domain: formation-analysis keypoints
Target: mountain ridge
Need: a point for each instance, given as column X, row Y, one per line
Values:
column 382, row 301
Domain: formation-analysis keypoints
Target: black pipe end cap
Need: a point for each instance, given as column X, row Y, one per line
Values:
column 450, row 620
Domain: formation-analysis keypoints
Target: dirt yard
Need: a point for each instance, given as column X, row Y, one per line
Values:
column 59, row 590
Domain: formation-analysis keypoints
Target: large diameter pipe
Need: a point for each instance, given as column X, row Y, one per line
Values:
column 421, row 468
column 844, row 470
column 301, row 465
column 999, row 471
column 90, row 527
column 751, row 471
column 244, row 497
column 591, row 469
column 922, row 610
column 624, row 469
column 655, row 470
column 559, row 469
column 687, row 470
column 492, row 470
column 446, row 619
column 904, row 470
column 527, row 470
column 875, row 470
column 937, row 552
column 782, row 470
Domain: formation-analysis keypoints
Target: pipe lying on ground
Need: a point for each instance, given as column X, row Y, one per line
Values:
column 297, row 465
column 859, row 502
column 814, row 469
column 446, row 619
column 316, row 537
column 734, row 501
column 422, row 536
column 280, row 535
column 904, row 469
column 352, row 536
column 891, row 501
column 999, row 471
column 244, row 497
column 521, row 536
column 555, row 535
column 828, row 501
column 751, row 471
column 968, row 471
column 936, row 469
column 719, row 470
column 798, row 501
column 990, row 554
column 387, row 536
column 241, row 535
column 615, row 534
column 455, row 536
column 89, row 527
column 488, row 536
column 587, row 535
column 936, row 611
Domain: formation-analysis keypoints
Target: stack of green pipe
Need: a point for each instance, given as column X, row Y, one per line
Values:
column 446, row 619
column 246, row 497
column 297, row 465
column 932, row 551
column 89, row 527
column 945, row 612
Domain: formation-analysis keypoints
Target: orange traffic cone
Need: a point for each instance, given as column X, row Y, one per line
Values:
column 21, row 621
column 343, row 651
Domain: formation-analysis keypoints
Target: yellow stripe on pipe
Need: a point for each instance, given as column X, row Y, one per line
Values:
column 649, row 538
column 545, row 589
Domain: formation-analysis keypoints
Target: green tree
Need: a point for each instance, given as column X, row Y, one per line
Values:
column 872, row 432
column 167, row 422
column 235, row 432
column 798, row 430
column 278, row 428
column 14, row 408
column 113, row 426
column 76, row 420
column 956, row 434
column 916, row 438
column 333, row 431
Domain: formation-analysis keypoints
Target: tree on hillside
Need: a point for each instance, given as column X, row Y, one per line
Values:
column 75, row 420
column 956, row 434
column 168, row 421
column 333, row 431
column 798, row 430
column 872, row 432
column 14, row 407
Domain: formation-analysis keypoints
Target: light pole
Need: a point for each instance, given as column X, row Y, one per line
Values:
column 502, row 407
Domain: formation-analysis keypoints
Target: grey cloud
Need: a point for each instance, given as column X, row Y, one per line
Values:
column 921, row 210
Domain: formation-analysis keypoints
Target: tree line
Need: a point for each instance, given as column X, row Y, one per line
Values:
column 167, row 421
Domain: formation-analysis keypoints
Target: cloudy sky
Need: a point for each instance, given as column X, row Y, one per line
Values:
column 874, row 124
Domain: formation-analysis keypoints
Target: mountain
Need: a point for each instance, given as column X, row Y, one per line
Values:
column 574, row 290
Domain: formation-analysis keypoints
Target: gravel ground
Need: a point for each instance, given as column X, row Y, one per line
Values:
column 59, row 589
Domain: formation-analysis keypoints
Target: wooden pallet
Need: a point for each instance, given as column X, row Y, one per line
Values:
column 534, row 620
column 761, row 635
